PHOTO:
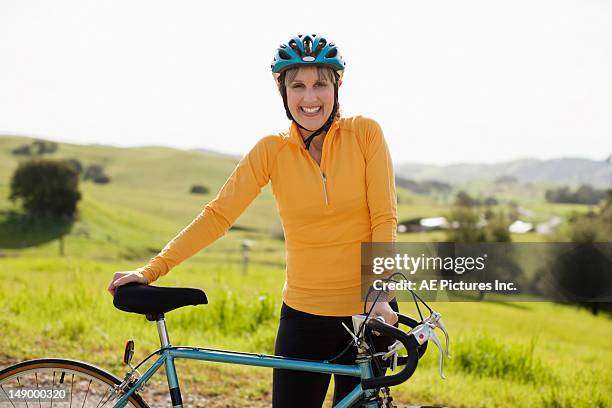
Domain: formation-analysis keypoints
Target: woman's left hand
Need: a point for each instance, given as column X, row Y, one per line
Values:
column 382, row 309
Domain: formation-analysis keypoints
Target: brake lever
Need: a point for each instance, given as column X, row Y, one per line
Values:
column 436, row 319
column 425, row 332
column 441, row 326
column 435, row 340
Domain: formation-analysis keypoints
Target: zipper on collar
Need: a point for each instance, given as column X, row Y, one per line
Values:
column 297, row 139
column 325, row 187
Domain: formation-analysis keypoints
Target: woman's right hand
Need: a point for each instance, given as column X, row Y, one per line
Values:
column 121, row 278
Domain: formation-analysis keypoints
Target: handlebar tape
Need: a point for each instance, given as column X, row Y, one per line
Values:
column 411, row 360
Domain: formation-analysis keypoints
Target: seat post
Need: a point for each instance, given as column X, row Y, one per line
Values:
column 162, row 330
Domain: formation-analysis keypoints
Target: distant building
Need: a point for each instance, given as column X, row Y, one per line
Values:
column 422, row 224
column 520, row 227
column 434, row 223
column 547, row 227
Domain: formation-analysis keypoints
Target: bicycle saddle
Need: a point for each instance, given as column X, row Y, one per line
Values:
column 155, row 301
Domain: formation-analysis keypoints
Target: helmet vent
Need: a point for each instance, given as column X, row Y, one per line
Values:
column 284, row 55
column 332, row 53
column 294, row 47
column 321, row 45
column 308, row 46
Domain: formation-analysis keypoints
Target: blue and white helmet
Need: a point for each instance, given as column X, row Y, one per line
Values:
column 307, row 50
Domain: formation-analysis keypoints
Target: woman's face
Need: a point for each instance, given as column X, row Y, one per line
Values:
column 310, row 97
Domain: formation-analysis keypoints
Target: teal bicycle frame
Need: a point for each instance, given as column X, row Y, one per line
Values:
column 169, row 353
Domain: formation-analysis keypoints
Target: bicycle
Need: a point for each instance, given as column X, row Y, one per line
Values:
column 104, row 389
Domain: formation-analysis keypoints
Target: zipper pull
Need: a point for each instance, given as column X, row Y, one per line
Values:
column 325, row 187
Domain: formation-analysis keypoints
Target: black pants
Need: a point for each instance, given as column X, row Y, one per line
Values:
column 308, row 336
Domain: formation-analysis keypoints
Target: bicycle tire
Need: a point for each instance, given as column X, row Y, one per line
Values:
column 102, row 381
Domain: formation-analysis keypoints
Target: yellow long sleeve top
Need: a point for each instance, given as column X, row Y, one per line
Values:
column 327, row 211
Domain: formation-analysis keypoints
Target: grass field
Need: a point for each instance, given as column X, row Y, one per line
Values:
column 504, row 355
column 520, row 354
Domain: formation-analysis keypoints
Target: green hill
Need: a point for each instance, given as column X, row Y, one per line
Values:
column 147, row 201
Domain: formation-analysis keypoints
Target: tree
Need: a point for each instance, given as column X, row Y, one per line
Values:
column 465, row 227
column 41, row 147
column 37, row 148
column 92, row 171
column 102, row 179
column 490, row 201
column 497, row 228
column 463, row 199
column 22, row 151
column 95, row 173
column 46, row 189
column 199, row 189
column 472, row 225
column 584, row 194
column 585, row 271
column 424, row 187
column 435, row 185
column 411, row 185
column 75, row 164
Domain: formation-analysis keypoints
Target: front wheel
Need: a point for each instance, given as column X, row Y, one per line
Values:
column 84, row 385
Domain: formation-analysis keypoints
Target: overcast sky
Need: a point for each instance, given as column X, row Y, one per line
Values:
column 449, row 81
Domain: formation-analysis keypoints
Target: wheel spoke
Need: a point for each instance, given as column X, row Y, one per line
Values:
column 21, row 386
column 102, row 399
column 36, row 376
column 71, row 386
column 110, row 398
column 52, row 387
column 7, row 397
column 87, row 393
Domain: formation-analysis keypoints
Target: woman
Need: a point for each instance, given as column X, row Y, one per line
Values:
column 333, row 181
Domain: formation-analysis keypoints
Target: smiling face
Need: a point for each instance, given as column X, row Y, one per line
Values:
column 310, row 96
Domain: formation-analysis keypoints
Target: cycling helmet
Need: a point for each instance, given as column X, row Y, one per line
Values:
column 305, row 50
column 308, row 50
